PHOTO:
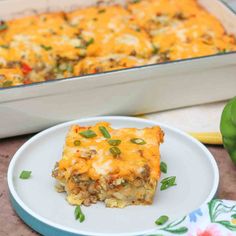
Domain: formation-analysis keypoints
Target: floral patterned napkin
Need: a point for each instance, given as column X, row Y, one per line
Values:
column 217, row 218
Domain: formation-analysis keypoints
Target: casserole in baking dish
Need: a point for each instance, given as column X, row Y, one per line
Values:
column 137, row 90
column 101, row 38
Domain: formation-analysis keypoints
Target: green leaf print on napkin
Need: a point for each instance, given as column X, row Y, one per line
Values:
column 217, row 210
column 175, row 227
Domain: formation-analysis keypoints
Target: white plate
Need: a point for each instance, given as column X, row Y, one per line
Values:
column 47, row 211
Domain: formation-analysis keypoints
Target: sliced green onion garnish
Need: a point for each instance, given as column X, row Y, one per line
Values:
column 115, row 151
column 79, row 214
column 88, row 134
column 168, row 182
column 104, row 132
column 77, row 142
column 163, row 167
column 138, row 141
column 162, row 220
column 7, row 83
column 89, row 42
column 81, row 47
column 80, row 37
column 25, row 174
column 222, row 51
column 3, row 26
column 155, row 50
column 101, row 11
column 4, row 46
column 69, row 68
column 135, row 1
column 114, row 142
column 47, row 48
column 65, row 67
column 82, row 218
column 62, row 67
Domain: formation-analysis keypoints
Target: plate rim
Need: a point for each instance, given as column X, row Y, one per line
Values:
column 19, row 205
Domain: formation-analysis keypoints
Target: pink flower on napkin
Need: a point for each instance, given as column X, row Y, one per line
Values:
column 211, row 230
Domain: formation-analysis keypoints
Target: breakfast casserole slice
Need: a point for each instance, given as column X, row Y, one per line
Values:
column 118, row 166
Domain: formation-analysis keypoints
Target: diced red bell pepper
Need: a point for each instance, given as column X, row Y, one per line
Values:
column 25, row 68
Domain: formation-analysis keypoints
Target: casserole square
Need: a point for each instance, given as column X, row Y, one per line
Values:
column 118, row 166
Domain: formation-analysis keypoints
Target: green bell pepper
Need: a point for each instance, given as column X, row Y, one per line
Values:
column 228, row 128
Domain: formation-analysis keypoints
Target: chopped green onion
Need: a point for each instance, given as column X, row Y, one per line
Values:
column 77, row 142
column 80, row 37
column 155, row 50
column 88, row 134
column 65, row 67
column 4, row 46
column 47, row 48
column 89, row 42
column 115, row 151
column 114, row 142
column 104, row 132
column 81, row 47
column 3, row 26
column 163, row 167
column 162, row 220
column 79, row 214
column 101, row 11
column 25, row 174
column 222, row 51
column 7, row 83
column 135, row 1
column 138, row 141
column 82, row 218
column 168, row 182
column 69, row 68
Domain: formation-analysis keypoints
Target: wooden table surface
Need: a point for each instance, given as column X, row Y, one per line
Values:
column 10, row 224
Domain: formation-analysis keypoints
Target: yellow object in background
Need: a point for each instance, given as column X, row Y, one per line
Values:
column 214, row 138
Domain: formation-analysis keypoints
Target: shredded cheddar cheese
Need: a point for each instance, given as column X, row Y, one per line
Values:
column 103, row 163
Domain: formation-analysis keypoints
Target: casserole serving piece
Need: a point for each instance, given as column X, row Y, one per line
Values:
column 98, row 165
column 163, row 74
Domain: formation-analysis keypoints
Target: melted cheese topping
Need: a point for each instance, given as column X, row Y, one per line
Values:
column 181, row 29
column 93, row 155
column 60, row 45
